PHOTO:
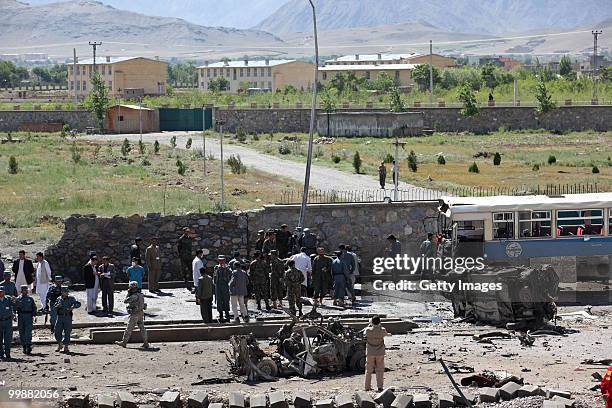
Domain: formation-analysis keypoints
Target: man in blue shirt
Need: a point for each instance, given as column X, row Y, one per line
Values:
column 26, row 309
column 6, row 324
column 136, row 272
column 9, row 287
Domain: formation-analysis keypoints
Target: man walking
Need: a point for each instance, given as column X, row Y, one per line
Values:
column 153, row 262
column 277, row 272
column 23, row 269
column 204, row 297
column 9, row 287
column 382, row 174
column 238, row 288
column 26, row 309
column 260, row 278
column 92, row 283
column 54, row 293
column 107, row 274
column 321, row 276
column 293, row 283
column 185, row 249
column 135, row 307
column 7, row 305
column 375, row 353
column 221, row 278
column 43, row 278
column 63, row 327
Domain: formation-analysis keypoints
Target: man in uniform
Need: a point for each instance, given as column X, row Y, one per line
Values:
column 293, row 282
column 309, row 241
column 295, row 243
column 185, row 250
column 321, row 276
column 9, row 287
column 340, row 274
column 232, row 262
column 26, row 309
column 135, row 307
column 204, row 296
column 269, row 244
column 63, row 327
column 283, row 238
column 260, row 278
column 153, row 262
column 260, row 240
column 221, row 278
column 54, row 293
column 277, row 272
column 6, row 324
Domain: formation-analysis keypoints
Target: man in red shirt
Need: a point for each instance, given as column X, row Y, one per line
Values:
column 606, row 387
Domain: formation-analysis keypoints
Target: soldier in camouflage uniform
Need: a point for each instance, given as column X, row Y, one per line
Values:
column 260, row 278
column 277, row 272
column 63, row 327
column 185, row 251
column 321, row 276
column 135, row 307
column 221, row 278
column 293, row 282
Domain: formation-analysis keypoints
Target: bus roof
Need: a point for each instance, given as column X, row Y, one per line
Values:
column 461, row 205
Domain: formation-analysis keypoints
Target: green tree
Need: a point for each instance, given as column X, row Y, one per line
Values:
column 467, row 97
column 441, row 160
column 605, row 74
column 395, row 101
column 97, row 101
column 473, row 168
column 420, row 75
column 487, row 73
column 545, row 102
column 357, row 162
column 75, row 156
column 180, row 167
column 219, row 84
column 141, row 147
column 125, row 147
column 497, row 159
column 328, row 99
column 565, row 68
column 384, row 83
column 156, row 147
column 13, row 167
column 412, row 161
column 42, row 74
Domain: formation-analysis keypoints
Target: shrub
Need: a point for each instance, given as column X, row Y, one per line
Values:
column 65, row 130
column 75, row 153
column 156, row 147
column 141, row 147
column 497, row 159
column 180, row 167
column 388, row 158
column 595, row 170
column 552, row 159
column 255, row 137
column 357, row 162
column 441, row 160
column 468, row 99
column 173, row 142
column 241, row 135
column 335, row 159
column 536, row 167
column 412, row 161
column 236, row 164
column 188, row 144
column 13, row 167
column 145, row 162
column 284, row 149
column 473, row 168
column 125, row 147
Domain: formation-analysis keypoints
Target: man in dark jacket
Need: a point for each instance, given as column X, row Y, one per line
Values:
column 321, row 276
column 92, row 283
column 23, row 270
column 204, row 296
column 283, row 238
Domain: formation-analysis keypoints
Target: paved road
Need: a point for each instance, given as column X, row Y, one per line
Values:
column 321, row 177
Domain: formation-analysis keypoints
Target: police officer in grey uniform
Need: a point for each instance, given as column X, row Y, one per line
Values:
column 9, row 287
column 54, row 293
column 63, row 327
column 7, row 305
column 26, row 309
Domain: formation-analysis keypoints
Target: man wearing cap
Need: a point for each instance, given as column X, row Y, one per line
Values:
column 295, row 243
column 92, row 283
column 340, row 274
column 321, row 276
column 23, row 269
column 43, row 278
column 238, row 289
column 107, row 274
column 185, row 252
column 309, row 241
column 260, row 278
column 204, row 296
column 9, row 287
column 293, row 282
column 26, row 309
column 221, row 278
column 7, row 305
column 153, row 262
column 269, row 243
column 135, row 307
column 63, row 327
column 277, row 272
column 54, row 293
column 283, row 236
column 260, row 240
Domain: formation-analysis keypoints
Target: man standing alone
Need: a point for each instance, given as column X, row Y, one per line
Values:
column 153, row 263
column 43, row 278
column 375, row 353
column 382, row 175
column 135, row 307
column 92, row 283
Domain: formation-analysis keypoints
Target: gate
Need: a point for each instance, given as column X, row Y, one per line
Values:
column 185, row 119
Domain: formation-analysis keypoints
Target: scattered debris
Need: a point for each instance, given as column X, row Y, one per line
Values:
column 324, row 140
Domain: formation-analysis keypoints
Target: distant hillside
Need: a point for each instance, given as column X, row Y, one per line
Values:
column 57, row 27
column 471, row 16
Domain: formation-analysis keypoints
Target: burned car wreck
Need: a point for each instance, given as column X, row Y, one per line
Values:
column 303, row 349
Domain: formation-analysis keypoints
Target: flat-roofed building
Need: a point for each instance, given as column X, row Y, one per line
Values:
column 438, row 61
column 400, row 73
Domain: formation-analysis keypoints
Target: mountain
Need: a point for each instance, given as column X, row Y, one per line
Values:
column 471, row 16
column 226, row 13
column 56, row 28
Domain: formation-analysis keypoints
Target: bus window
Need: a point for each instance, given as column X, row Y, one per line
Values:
column 610, row 221
column 470, row 230
column 503, row 225
column 579, row 222
column 534, row 224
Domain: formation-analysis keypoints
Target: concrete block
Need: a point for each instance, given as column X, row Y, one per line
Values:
column 385, row 397
column 402, row 401
column 551, row 392
column 489, row 394
column 564, row 402
column 552, row 404
column 468, row 395
column 77, row 400
column 278, row 400
column 302, row 400
column 258, row 401
column 215, row 405
column 170, row 399
column 344, row 401
column 421, row 401
column 236, row 400
column 364, row 400
column 106, row 401
column 529, row 391
column 509, row 391
column 126, row 400
column 198, row 399
column 326, row 403
column 446, row 400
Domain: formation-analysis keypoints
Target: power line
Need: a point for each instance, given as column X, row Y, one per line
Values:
column 94, row 45
column 596, row 33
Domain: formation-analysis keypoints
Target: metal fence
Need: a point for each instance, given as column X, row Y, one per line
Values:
column 424, row 194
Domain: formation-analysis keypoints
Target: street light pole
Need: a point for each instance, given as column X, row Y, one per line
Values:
column 221, row 154
column 313, row 114
column 140, row 117
column 204, row 138
column 430, row 73
column 596, row 33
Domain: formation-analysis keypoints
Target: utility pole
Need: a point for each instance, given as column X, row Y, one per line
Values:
column 204, row 138
column 94, row 44
column 119, row 116
column 313, row 114
column 140, row 116
column 74, row 77
column 430, row 73
column 396, row 167
column 596, row 33
column 220, row 123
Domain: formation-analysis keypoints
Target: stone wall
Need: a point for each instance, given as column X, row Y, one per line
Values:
column 365, row 226
column 264, row 120
column 12, row 121
column 376, row 124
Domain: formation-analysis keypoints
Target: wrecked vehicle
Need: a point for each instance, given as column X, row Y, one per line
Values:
column 526, row 299
column 303, row 349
